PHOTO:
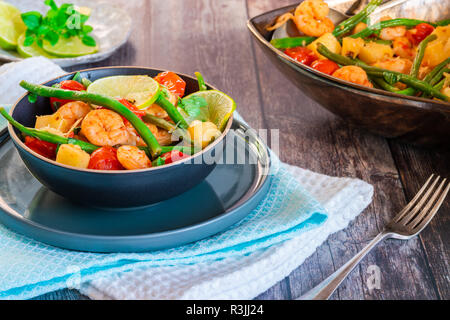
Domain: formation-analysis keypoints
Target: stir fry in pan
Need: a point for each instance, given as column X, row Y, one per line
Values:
column 401, row 55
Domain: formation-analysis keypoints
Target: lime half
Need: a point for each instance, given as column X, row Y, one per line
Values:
column 141, row 90
column 220, row 106
column 31, row 51
column 11, row 26
column 67, row 48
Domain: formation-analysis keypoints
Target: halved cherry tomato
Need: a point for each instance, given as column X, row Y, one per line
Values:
column 173, row 156
column 105, row 158
column 73, row 85
column 419, row 32
column 44, row 148
column 325, row 66
column 172, row 82
column 301, row 54
column 140, row 113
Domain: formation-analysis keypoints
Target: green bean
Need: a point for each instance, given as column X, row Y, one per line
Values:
column 436, row 69
column 103, row 101
column 419, row 55
column 201, row 83
column 77, row 77
column 386, row 86
column 47, row 136
column 166, row 125
column 285, row 43
column 439, row 76
column 443, row 23
column 347, row 25
column 184, row 149
column 173, row 113
column 386, row 24
column 379, row 72
column 440, row 84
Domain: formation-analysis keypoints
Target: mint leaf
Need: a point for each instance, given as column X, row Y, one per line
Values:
column 196, row 107
column 87, row 29
column 32, row 98
column 32, row 19
column 29, row 40
column 51, row 4
column 52, row 37
column 89, row 41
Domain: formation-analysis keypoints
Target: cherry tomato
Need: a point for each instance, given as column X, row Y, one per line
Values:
column 140, row 113
column 173, row 156
column 420, row 32
column 301, row 54
column 105, row 158
column 44, row 148
column 55, row 103
column 325, row 66
column 172, row 82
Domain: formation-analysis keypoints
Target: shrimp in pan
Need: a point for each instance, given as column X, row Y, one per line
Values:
column 104, row 127
column 353, row 74
column 310, row 17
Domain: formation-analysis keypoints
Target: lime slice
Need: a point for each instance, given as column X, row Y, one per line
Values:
column 30, row 51
column 11, row 26
column 71, row 47
column 141, row 90
column 221, row 106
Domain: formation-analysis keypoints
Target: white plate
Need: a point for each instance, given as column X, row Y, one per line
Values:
column 112, row 27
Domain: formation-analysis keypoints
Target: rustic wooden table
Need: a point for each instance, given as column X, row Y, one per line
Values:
column 210, row 36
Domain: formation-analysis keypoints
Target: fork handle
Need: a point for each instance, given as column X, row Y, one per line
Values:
column 326, row 288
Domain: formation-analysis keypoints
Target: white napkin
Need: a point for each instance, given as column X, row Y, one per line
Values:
column 242, row 277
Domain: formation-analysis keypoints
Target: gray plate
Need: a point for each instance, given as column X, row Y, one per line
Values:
column 227, row 195
column 112, row 27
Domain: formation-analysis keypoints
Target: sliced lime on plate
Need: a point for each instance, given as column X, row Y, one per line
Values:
column 69, row 47
column 142, row 91
column 11, row 26
column 31, row 51
column 220, row 106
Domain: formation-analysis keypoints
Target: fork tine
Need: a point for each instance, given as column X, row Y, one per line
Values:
column 433, row 211
column 412, row 207
column 424, row 211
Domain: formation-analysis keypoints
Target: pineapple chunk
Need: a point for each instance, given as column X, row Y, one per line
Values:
column 72, row 155
column 351, row 47
column 372, row 52
column 329, row 41
column 202, row 133
column 439, row 49
column 43, row 121
column 359, row 27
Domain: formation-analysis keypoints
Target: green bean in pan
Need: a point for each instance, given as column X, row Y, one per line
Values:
column 104, row 101
column 436, row 70
column 285, row 43
column 386, row 24
column 419, row 55
column 379, row 72
column 386, row 86
column 348, row 25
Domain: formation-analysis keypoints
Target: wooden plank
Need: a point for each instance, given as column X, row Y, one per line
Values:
column 415, row 166
column 314, row 139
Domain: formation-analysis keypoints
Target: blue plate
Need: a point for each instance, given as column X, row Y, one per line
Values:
column 227, row 195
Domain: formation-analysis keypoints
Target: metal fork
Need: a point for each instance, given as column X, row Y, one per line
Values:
column 411, row 220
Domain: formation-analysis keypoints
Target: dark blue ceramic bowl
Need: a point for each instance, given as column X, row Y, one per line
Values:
column 112, row 189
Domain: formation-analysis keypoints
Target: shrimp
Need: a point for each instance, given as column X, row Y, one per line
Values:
column 104, row 127
column 310, row 17
column 391, row 33
column 164, row 137
column 403, row 48
column 353, row 74
column 395, row 64
column 72, row 112
column 132, row 158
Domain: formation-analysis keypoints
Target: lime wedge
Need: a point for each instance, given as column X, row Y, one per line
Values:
column 30, row 51
column 141, row 90
column 11, row 26
column 71, row 47
column 220, row 105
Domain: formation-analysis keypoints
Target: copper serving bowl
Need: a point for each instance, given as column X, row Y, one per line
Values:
column 412, row 119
